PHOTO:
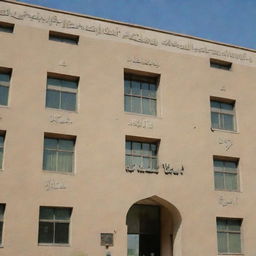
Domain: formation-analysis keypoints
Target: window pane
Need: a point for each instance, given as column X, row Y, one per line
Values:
column 128, row 103
column 2, row 207
column 61, row 233
column 62, row 213
column 127, row 88
column 215, row 120
column 227, row 106
column 228, row 122
column 222, row 242
column 137, row 160
column 152, row 108
column 52, row 99
column 133, row 245
column 231, row 181
column 66, row 145
column 234, row 224
column 46, row 213
column 4, row 79
column 1, row 160
column 146, row 163
column 154, row 149
column 1, row 231
column 152, row 92
column 231, row 166
column 50, row 158
column 54, row 82
column 221, row 224
column 154, row 163
column 50, row 143
column 65, row 161
column 68, row 101
column 4, row 91
column 128, row 147
column 218, row 165
column 136, row 104
column 234, row 243
column 136, row 88
column 69, row 84
column 215, row 104
column 128, row 160
column 219, row 180
column 45, row 232
column 146, row 149
column 136, row 148
column 146, row 106
column 145, row 89
column 1, row 141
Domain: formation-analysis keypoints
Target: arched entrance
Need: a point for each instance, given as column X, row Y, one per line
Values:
column 153, row 228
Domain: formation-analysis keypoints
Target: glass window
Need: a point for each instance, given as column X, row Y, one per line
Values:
column 6, row 27
column 54, row 225
column 229, row 235
column 4, row 88
column 140, row 94
column 58, row 154
column 222, row 115
column 63, row 37
column 61, row 94
column 2, row 208
column 226, row 175
column 1, row 150
column 141, row 154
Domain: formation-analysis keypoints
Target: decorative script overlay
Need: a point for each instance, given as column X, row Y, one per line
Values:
column 138, row 36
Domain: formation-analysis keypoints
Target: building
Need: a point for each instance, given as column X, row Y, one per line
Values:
column 118, row 139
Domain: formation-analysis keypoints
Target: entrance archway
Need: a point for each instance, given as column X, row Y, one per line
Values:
column 153, row 228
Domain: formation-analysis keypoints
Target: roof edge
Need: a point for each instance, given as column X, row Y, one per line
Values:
column 129, row 24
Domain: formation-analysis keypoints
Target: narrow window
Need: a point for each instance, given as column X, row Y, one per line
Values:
column 226, row 174
column 220, row 64
column 6, row 27
column 63, row 37
column 2, row 209
column 229, row 235
column 223, row 115
column 2, row 137
column 61, row 93
column 54, row 225
column 141, row 154
column 140, row 94
column 58, row 154
column 5, row 77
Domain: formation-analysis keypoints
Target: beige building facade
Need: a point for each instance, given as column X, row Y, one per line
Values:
column 118, row 140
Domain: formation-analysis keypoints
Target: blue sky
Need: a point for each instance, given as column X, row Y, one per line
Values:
column 228, row 21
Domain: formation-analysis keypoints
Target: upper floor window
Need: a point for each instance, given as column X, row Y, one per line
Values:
column 226, row 174
column 63, row 37
column 5, row 77
column 2, row 208
column 220, row 64
column 58, row 154
column 140, row 94
column 141, row 154
column 54, row 225
column 2, row 136
column 61, row 93
column 223, row 115
column 229, row 235
column 6, row 27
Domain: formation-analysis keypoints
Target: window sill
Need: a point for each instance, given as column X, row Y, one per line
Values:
column 58, row 245
column 220, row 130
column 4, row 106
column 59, row 172
column 62, row 110
column 227, row 253
column 142, row 115
column 223, row 190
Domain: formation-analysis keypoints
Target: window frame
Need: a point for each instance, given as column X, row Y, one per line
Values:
column 221, row 112
column 8, row 72
column 2, row 221
column 228, row 231
column 142, row 77
column 150, row 157
column 62, row 89
column 59, row 137
column 226, row 171
column 63, row 37
column 54, row 221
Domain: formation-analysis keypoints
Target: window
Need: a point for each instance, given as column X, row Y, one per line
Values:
column 225, row 174
column 54, row 225
column 63, row 37
column 2, row 208
column 141, row 154
column 5, row 76
column 223, row 115
column 58, row 154
column 6, row 27
column 220, row 64
column 140, row 94
column 2, row 137
column 229, row 235
column 62, row 93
